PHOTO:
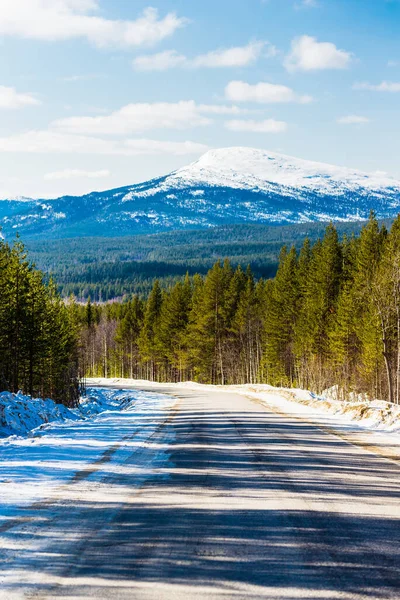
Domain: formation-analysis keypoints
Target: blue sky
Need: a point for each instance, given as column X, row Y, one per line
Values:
column 97, row 94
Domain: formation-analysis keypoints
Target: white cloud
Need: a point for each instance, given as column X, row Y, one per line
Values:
column 263, row 93
column 239, row 56
column 136, row 118
column 307, row 54
column 221, row 109
column 353, row 120
column 44, row 141
column 152, row 147
column 159, row 62
column 385, row 86
column 50, row 142
column 11, row 99
column 393, row 63
column 76, row 174
column 267, row 126
column 53, row 20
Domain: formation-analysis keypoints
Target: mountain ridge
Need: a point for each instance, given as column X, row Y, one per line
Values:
column 225, row 186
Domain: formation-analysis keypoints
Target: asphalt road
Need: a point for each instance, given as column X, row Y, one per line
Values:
column 234, row 501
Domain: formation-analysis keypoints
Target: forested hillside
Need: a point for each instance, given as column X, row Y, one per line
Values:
column 107, row 268
column 38, row 333
column 330, row 316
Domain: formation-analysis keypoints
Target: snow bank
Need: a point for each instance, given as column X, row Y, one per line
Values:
column 98, row 401
column 372, row 414
column 21, row 415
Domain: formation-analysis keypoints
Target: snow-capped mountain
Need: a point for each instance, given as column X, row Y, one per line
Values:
column 249, row 168
column 232, row 185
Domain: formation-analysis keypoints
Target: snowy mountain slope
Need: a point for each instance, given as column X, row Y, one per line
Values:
column 226, row 186
column 249, row 168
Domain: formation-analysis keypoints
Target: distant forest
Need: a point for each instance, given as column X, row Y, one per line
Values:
column 108, row 268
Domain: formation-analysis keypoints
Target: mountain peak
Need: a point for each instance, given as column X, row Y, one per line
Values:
column 224, row 187
column 252, row 167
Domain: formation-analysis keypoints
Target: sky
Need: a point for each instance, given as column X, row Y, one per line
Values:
column 98, row 94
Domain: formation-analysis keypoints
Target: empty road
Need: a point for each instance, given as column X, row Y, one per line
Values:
column 232, row 500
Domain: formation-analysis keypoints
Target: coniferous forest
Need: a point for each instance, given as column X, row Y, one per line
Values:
column 105, row 268
column 39, row 335
column 331, row 316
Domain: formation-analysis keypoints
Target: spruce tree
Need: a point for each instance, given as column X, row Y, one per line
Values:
column 207, row 330
column 370, row 248
column 280, row 321
column 174, row 321
column 127, row 338
column 149, row 336
column 319, row 305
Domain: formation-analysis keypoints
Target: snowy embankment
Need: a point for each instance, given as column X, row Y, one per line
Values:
column 21, row 415
column 376, row 415
column 48, row 446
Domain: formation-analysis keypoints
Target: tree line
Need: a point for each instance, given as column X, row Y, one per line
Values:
column 39, row 335
column 331, row 316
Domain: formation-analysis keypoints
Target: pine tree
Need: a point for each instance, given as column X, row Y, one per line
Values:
column 370, row 248
column 344, row 345
column 207, row 329
column 319, row 306
column 280, row 321
column 127, row 338
column 174, row 321
column 148, row 339
column 385, row 305
column 246, row 327
column 5, row 300
column 39, row 343
column 18, row 286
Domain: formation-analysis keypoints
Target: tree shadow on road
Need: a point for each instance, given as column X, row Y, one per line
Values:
column 247, row 504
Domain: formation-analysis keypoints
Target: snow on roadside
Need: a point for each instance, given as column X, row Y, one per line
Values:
column 375, row 415
column 373, row 425
column 21, row 415
column 85, row 446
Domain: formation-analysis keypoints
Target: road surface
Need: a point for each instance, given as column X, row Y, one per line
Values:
column 232, row 500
